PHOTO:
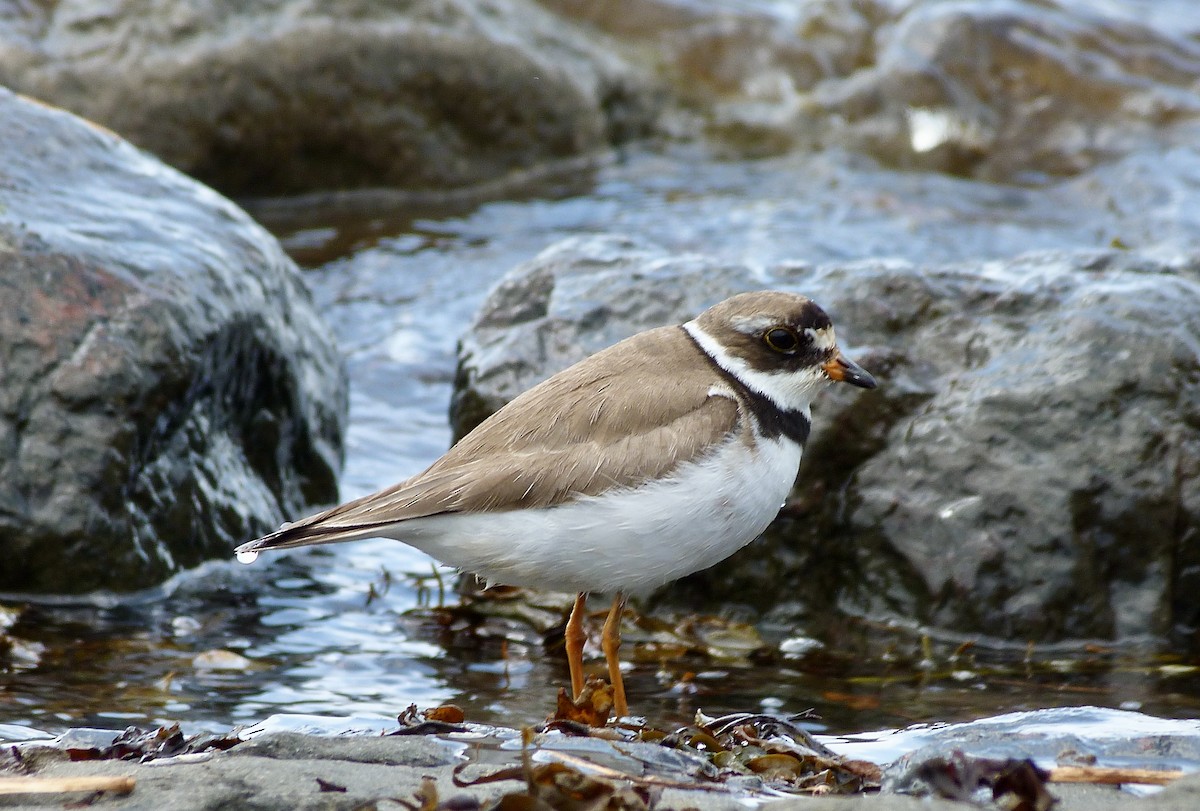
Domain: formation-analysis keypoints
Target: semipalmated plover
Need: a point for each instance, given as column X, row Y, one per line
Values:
column 650, row 460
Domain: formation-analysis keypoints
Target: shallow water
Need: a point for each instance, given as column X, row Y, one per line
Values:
column 355, row 630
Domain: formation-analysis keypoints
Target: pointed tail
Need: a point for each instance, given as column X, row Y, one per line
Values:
column 316, row 529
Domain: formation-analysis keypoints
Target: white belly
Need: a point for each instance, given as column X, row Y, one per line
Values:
column 628, row 540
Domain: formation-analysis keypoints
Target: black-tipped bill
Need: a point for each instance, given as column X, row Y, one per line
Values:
column 844, row 370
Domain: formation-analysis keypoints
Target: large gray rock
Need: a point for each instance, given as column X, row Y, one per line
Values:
column 166, row 387
column 1029, row 467
column 269, row 97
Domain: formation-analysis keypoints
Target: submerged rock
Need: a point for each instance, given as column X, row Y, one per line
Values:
column 1029, row 467
column 264, row 98
column 166, row 387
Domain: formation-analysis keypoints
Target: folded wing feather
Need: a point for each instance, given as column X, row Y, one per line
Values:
column 623, row 416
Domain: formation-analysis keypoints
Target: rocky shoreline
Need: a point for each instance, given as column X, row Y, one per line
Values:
column 459, row 770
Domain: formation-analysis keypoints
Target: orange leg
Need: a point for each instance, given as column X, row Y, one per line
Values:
column 574, row 637
column 610, row 642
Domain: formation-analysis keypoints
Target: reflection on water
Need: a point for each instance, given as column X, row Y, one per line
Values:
column 337, row 631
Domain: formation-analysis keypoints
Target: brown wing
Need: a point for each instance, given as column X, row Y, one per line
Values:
column 623, row 416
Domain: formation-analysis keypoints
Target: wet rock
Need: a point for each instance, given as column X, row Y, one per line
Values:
column 1015, row 91
column 746, row 69
column 1042, row 482
column 279, row 98
column 166, row 387
column 1027, row 469
column 1012, row 91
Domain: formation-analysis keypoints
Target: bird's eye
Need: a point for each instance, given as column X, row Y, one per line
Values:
column 782, row 340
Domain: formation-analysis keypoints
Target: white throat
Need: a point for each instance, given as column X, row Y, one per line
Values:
column 790, row 391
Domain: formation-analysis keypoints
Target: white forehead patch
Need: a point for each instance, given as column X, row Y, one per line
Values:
column 822, row 338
